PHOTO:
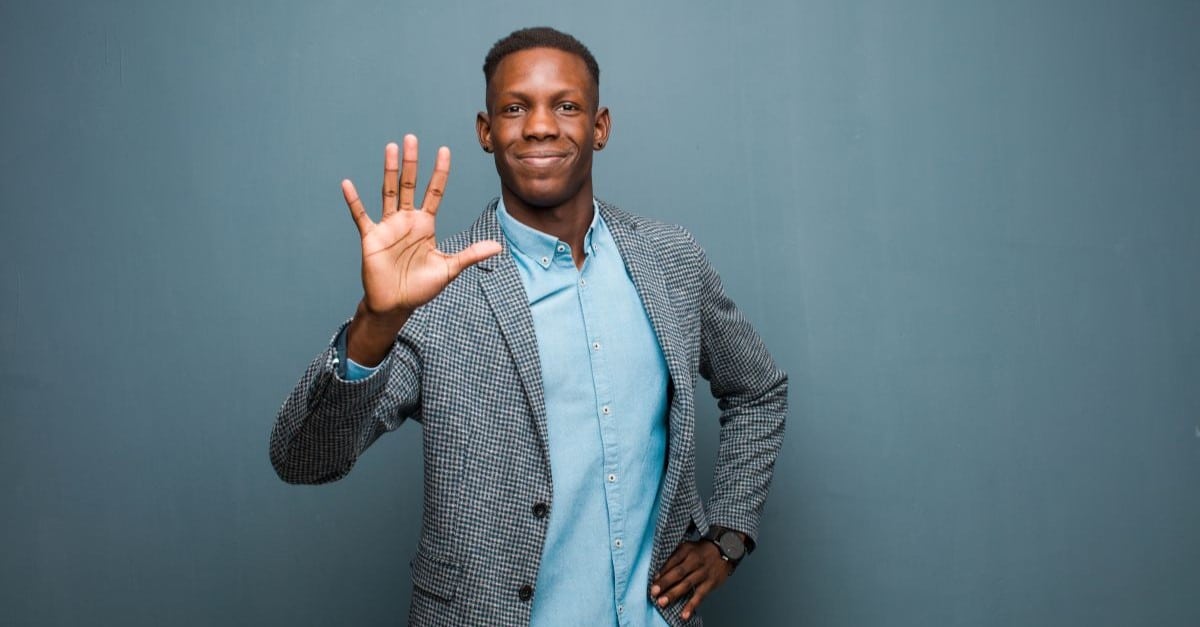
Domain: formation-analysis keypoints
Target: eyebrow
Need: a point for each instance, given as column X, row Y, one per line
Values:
column 520, row 95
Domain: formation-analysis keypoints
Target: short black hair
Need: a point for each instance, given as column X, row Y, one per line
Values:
column 538, row 37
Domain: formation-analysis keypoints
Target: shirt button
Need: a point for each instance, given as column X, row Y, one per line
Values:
column 605, row 410
column 525, row 593
column 595, row 346
column 582, row 282
column 561, row 248
column 620, row 609
column 540, row 510
column 545, row 261
column 612, row 478
column 617, row 543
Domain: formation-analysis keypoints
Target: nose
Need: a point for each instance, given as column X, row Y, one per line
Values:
column 540, row 124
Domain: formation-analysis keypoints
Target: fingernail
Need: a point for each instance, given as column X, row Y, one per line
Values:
column 662, row 601
column 654, row 590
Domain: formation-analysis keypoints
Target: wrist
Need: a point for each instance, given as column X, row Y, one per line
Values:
column 731, row 544
column 371, row 335
column 382, row 319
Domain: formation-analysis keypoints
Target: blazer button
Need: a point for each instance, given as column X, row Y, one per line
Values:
column 526, row 592
column 540, row 510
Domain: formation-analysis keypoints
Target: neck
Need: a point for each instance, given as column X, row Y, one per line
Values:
column 568, row 221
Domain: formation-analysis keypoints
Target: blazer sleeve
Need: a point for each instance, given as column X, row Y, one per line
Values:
column 751, row 392
column 328, row 421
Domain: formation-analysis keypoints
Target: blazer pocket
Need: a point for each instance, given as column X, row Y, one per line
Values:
column 436, row 577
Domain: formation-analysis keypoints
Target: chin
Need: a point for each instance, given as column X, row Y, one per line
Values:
column 543, row 194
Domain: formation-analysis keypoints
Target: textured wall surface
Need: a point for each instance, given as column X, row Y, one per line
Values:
column 969, row 230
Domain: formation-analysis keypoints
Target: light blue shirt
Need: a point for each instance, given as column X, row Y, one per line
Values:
column 605, row 383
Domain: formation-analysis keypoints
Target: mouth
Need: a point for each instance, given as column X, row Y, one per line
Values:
column 542, row 158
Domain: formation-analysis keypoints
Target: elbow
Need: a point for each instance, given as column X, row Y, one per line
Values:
column 299, row 469
column 286, row 467
column 780, row 391
column 301, row 474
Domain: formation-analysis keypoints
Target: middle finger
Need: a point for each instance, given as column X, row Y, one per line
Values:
column 408, row 172
column 683, row 588
column 391, row 170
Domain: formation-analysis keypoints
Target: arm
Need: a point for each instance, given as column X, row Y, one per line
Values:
column 328, row 421
column 751, row 392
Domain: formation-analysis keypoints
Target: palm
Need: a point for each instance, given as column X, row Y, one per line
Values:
column 402, row 268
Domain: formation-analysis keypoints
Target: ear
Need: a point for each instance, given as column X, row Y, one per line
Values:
column 483, row 129
column 601, row 129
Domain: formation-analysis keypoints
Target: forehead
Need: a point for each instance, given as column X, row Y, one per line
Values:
column 540, row 68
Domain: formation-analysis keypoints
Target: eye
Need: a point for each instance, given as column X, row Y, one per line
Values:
column 569, row 106
column 512, row 109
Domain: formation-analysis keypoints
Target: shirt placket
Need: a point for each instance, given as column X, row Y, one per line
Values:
column 606, row 415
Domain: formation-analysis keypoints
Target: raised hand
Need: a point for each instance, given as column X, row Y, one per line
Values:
column 402, row 268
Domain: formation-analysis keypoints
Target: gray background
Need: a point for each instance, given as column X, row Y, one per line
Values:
column 968, row 230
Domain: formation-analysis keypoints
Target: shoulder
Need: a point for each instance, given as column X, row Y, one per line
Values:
column 673, row 240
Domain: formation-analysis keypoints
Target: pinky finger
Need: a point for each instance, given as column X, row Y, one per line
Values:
column 697, row 596
column 357, row 211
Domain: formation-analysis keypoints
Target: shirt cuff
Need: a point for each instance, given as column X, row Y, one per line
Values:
column 355, row 371
column 348, row 369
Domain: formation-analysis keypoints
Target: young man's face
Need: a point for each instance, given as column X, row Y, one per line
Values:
column 542, row 124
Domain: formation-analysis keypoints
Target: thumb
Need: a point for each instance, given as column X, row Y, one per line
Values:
column 472, row 255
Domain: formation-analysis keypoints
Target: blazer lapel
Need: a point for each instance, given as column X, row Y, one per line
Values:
column 509, row 303
column 644, row 266
column 641, row 260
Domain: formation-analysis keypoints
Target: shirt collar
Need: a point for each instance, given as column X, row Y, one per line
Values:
column 542, row 247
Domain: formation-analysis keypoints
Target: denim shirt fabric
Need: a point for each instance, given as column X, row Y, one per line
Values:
column 605, row 382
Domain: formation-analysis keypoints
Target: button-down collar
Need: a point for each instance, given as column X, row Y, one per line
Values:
column 539, row 246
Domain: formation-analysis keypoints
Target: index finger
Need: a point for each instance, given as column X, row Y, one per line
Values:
column 437, row 182
column 672, row 573
column 391, row 173
column 674, row 560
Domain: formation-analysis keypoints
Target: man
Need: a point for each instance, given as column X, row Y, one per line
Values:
column 550, row 353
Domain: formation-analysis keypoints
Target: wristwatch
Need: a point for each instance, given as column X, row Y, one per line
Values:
column 729, row 543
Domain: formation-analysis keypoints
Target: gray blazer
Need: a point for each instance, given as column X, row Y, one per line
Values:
column 466, row 367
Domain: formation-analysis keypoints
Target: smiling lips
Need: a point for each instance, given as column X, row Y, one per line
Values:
column 542, row 158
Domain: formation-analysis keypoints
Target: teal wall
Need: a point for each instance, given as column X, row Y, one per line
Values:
column 970, row 231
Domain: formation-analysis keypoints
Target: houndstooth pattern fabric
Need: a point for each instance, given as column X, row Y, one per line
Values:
column 466, row 367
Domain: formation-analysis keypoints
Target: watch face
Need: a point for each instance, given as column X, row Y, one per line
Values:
column 731, row 546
